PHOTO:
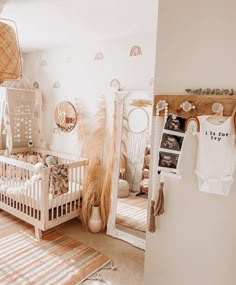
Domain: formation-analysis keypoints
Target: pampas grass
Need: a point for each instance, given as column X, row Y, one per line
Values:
column 106, row 189
column 93, row 184
column 92, row 191
column 96, row 143
column 82, row 134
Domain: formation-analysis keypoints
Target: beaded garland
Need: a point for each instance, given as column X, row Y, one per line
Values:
column 22, row 123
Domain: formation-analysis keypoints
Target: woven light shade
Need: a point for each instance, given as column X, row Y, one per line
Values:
column 10, row 56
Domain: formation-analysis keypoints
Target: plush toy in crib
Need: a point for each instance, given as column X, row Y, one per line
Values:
column 37, row 167
column 51, row 160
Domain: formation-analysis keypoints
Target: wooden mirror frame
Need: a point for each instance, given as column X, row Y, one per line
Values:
column 112, row 230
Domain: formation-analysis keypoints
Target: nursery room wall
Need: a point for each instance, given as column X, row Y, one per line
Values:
column 76, row 52
column 195, row 241
column 83, row 74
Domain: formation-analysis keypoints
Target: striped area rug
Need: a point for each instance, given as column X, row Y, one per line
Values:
column 56, row 259
column 132, row 212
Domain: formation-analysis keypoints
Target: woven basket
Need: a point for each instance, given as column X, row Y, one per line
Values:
column 10, row 58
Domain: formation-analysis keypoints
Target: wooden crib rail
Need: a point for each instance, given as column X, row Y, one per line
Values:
column 80, row 163
column 57, row 154
column 15, row 162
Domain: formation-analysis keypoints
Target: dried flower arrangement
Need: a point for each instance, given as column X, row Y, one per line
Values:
column 106, row 188
column 97, row 186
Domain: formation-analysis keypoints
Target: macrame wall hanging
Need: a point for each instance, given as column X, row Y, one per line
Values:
column 21, row 112
column 138, row 122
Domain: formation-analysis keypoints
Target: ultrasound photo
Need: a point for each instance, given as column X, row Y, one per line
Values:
column 175, row 123
column 171, row 142
column 168, row 160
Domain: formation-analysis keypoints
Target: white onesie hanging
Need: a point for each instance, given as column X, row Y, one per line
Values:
column 216, row 155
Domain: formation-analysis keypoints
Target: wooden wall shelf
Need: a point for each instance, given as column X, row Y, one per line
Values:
column 203, row 103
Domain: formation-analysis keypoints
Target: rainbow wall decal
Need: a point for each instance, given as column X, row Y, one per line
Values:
column 56, row 84
column 115, row 83
column 135, row 51
column 99, row 56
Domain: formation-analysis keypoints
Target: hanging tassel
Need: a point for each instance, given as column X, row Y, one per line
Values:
column 152, row 222
column 159, row 208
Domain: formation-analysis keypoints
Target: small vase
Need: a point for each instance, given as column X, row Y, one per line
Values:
column 95, row 221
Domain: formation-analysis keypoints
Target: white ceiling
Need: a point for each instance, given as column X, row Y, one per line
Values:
column 58, row 23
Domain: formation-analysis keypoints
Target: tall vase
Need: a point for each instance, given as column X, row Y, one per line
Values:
column 95, row 221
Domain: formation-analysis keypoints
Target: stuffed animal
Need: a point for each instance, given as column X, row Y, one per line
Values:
column 51, row 160
column 37, row 167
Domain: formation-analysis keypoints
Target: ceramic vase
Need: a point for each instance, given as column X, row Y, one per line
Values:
column 95, row 221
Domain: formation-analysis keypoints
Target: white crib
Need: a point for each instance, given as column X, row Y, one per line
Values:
column 24, row 190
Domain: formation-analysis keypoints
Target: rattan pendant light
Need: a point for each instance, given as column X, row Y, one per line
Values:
column 10, row 55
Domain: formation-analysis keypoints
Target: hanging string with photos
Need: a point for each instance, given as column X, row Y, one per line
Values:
column 180, row 116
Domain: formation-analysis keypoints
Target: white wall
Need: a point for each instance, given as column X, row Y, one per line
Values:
column 83, row 78
column 196, row 238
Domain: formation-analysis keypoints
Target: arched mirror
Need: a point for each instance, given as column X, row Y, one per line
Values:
column 65, row 116
column 128, row 217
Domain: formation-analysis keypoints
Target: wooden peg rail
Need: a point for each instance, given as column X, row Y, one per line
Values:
column 203, row 103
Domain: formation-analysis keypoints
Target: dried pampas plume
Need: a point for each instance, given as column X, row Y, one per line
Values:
column 106, row 189
column 93, row 184
column 96, row 143
column 82, row 135
column 91, row 194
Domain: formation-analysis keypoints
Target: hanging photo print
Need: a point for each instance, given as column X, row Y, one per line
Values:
column 171, row 145
column 168, row 160
column 175, row 123
column 172, row 142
